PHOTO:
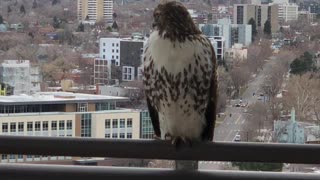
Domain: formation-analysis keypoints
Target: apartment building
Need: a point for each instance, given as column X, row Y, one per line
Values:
column 218, row 46
column 260, row 13
column 288, row 12
column 232, row 33
column 95, row 10
column 21, row 75
column 125, row 53
column 60, row 114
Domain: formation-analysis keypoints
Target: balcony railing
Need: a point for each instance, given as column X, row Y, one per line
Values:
column 151, row 149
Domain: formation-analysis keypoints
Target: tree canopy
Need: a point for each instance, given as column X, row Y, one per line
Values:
column 259, row 166
column 267, row 27
column 252, row 22
column 1, row 20
column 303, row 64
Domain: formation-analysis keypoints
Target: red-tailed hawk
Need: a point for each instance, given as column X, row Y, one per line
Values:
column 180, row 79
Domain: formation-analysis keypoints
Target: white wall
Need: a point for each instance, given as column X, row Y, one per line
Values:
column 110, row 49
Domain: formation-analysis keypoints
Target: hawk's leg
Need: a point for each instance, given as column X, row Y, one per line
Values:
column 156, row 137
column 178, row 141
column 168, row 136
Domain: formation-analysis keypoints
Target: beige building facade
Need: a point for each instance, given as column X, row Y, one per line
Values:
column 260, row 13
column 95, row 10
column 67, row 115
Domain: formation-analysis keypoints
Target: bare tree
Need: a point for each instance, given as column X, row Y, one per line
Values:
column 224, row 88
column 303, row 94
column 240, row 76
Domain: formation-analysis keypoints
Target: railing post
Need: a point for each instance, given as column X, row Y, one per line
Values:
column 186, row 165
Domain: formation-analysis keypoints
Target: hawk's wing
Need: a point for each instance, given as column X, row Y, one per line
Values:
column 154, row 115
column 148, row 87
column 210, row 113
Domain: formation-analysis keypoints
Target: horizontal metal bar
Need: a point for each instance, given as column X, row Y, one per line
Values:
column 48, row 172
column 156, row 149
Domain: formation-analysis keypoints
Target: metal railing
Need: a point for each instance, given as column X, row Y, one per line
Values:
column 151, row 149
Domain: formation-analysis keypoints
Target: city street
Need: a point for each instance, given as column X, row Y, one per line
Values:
column 227, row 130
column 233, row 125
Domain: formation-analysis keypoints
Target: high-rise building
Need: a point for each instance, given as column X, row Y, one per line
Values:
column 288, row 12
column 19, row 74
column 125, row 53
column 260, row 13
column 95, row 10
column 314, row 8
column 231, row 33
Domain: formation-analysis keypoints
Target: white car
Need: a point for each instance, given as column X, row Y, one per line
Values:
column 237, row 138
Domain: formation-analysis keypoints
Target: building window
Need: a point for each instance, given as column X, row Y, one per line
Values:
column 4, row 127
column 37, row 126
column 107, row 135
column 122, row 136
column 82, row 107
column 13, row 127
column 29, row 126
column 104, row 50
column 122, row 123
column 117, row 57
column 117, row 44
column 4, row 157
column 127, row 73
column 107, row 124
column 129, row 135
column 20, row 156
column 115, row 123
column 61, row 125
column 104, row 44
column 69, row 124
column 104, row 57
column 129, row 123
column 112, row 57
column 112, row 50
column 45, row 126
column 112, row 44
column 54, row 125
column 12, row 156
column 86, row 125
column 115, row 135
column 117, row 51
column 20, row 126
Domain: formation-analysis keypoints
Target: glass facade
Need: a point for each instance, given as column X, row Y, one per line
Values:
column 146, row 126
column 86, row 125
column 105, row 106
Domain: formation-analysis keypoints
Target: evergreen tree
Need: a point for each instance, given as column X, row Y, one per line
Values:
column 54, row 2
column 1, row 19
column 115, row 25
column 252, row 22
column 9, row 10
column 303, row 64
column 80, row 28
column 114, row 15
column 248, row 166
column 56, row 22
column 267, row 27
column 34, row 4
column 22, row 9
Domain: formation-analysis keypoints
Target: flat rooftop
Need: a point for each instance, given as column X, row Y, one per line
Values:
column 58, row 98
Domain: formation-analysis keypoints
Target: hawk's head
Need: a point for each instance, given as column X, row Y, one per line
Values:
column 173, row 21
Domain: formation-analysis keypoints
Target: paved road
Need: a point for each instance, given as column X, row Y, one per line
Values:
column 227, row 130
column 231, row 126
